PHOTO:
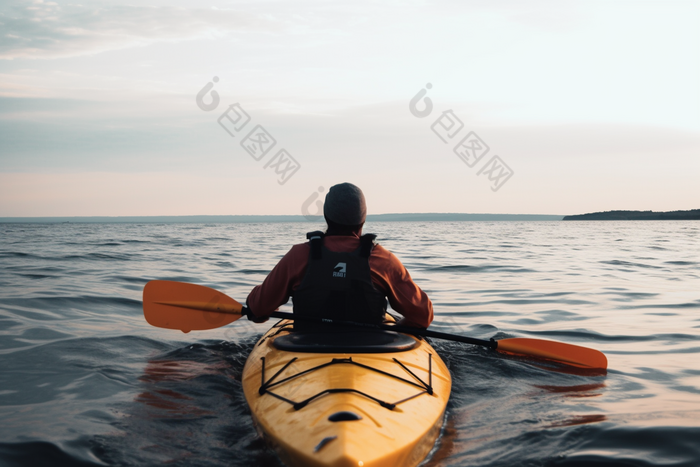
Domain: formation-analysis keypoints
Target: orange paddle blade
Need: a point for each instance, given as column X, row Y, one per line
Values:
column 575, row 355
column 187, row 307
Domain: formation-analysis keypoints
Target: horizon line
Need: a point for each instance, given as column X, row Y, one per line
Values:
column 251, row 218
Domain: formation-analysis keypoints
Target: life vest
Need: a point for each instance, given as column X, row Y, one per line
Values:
column 339, row 286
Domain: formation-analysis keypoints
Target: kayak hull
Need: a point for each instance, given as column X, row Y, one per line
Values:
column 346, row 409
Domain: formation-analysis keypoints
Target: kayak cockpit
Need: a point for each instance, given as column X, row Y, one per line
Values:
column 346, row 342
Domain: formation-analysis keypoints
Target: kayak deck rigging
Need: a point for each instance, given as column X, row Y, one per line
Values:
column 265, row 386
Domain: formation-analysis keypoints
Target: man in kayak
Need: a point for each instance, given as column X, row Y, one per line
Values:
column 341, row 274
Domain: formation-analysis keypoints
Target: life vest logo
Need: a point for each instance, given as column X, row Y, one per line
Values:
column 339, row 270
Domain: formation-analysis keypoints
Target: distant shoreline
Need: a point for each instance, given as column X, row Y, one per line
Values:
column 693, row 214
column 410, row 217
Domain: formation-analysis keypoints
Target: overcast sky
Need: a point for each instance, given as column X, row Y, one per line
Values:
column 583, row 106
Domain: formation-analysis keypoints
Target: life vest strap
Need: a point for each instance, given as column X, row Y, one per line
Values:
column 315, row 239
column 366, row 245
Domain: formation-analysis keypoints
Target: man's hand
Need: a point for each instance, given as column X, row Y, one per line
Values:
column 251, row 317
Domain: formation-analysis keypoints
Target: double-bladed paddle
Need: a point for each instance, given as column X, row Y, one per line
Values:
column 191, row 307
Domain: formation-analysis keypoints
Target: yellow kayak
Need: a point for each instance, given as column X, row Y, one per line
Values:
column 360, row 398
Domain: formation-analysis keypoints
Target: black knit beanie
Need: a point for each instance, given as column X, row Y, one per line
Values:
column 345, row 205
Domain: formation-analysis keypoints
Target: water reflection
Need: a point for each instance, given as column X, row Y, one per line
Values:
column 156, row 394
column 578, row 420
column 562, row 368
column 581, row 390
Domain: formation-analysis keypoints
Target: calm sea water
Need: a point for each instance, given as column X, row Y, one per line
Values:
column 84, row 380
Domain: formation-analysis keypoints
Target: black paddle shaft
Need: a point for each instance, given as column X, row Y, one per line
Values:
column 491, row 344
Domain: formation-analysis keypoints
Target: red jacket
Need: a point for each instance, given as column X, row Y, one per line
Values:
column 387, row 272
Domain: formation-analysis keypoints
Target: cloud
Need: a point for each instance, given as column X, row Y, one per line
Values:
column 50, row 30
